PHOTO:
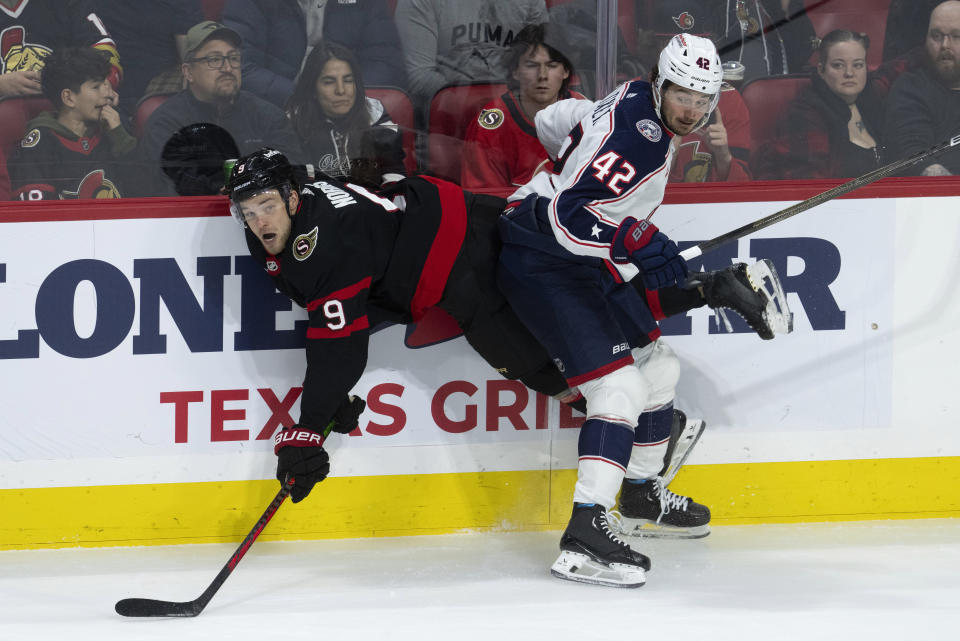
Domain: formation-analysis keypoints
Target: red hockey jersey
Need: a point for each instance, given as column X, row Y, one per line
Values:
column 694, row 161
column 501, row 151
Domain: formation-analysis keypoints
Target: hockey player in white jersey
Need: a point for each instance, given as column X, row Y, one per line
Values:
column 572, row 241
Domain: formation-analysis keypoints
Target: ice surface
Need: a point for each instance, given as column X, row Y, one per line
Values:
column 853, row 581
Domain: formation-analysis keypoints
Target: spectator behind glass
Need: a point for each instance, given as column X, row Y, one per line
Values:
column 31, row 29
column 832, row 130
column 213, row 74
column 77, row 151
column 501, row 151
column 331, row 112
column 278, row 35
column 923, row 107
column 152, row 37
column 449, row 42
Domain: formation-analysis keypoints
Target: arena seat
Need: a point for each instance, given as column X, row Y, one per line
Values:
column 145, row 107
column 767, row 99
column 862, row 16
column 400, row 107
column 212, row 9
column 451, row 111
column 14, row 115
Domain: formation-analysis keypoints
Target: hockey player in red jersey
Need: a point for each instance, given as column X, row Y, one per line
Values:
column 573, row 241
column 501, row 151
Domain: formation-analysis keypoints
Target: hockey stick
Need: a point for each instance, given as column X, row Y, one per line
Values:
column 839, row 190
column 155, row 608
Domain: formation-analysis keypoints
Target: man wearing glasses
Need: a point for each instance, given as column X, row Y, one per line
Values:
column 212, row 71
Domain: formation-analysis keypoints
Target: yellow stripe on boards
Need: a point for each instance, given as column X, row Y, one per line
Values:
column 443, row 503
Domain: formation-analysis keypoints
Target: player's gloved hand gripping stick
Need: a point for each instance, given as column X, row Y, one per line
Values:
column 346, row 417
column 656, row 256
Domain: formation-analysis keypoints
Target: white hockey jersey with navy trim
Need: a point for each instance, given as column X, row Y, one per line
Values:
column 613, row 163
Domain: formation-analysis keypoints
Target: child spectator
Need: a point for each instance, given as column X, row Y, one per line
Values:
column 78, row 151
column 331, row 112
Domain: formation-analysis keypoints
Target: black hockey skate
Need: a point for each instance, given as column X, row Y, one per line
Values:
column 650, row 509
column 590, row 552
column 752, row 291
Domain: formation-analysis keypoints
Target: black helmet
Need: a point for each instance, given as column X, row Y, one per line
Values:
column 257, row 172
column 263, row 169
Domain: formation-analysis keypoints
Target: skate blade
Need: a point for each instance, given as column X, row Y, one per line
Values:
column 572, row 566
column 652, row 529
column 685, row 444
column 763, row 277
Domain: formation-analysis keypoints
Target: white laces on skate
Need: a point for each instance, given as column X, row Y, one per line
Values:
column 668, row 500
column 721, row 315
column 615, row 519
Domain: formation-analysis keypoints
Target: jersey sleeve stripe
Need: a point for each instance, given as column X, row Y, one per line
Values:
column 341, row 294
column 359, row 324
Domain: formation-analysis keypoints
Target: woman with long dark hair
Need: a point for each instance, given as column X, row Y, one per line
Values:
column 344, row 132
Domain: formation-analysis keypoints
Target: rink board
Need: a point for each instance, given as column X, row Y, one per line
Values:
column 145, row 367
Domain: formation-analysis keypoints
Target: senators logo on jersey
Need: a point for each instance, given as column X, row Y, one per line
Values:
column 304, row 244
column 490, row 118
column 94, row 185
column 18, row 55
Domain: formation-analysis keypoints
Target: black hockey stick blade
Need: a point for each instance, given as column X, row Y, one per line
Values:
column 830, row 194
column 157, row 608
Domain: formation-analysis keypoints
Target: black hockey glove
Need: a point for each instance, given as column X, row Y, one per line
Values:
column 657, row 257
column 300, row 456
column 347, row 416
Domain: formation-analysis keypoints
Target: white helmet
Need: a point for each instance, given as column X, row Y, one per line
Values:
column 690, row 62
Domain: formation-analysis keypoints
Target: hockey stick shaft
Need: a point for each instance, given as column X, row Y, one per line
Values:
column 830, row 194
column 137, row 607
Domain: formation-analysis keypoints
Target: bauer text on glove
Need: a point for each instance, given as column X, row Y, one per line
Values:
column 300, row 456
column 655, row 255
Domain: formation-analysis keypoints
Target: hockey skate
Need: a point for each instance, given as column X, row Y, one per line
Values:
column 590, row 552
column 650, row 509
column 752, row 291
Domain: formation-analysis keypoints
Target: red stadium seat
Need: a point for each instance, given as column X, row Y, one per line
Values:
column 400, row 108
column 14, row 115
column 767, row 99
column 862, row 16
column 451, row 111
column 212, row 9
column 145, row 107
